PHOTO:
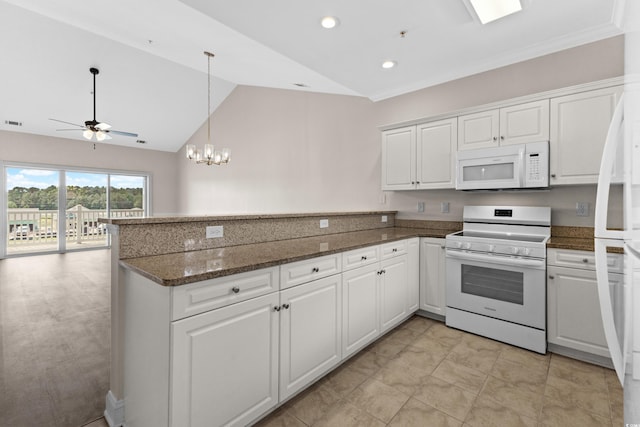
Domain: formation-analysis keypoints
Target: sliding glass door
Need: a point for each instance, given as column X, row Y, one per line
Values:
column 49, row 210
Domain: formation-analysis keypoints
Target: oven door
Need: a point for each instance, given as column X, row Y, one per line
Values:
column 498, row 286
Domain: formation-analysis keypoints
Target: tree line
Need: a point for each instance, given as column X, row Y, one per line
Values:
column 89, row 197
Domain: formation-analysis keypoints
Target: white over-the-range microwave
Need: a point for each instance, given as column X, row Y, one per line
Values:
column 508, row 167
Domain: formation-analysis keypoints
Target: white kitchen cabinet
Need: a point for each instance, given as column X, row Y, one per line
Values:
column 420, row 157
column 413, row 274
column 579, row 126
column 310, row 332
column 516, row 124
column 398, row 158
column 432, row 276
column 225, row 364
column 573, row 307
column 436, row 154
column 361, row 308
column 393, row 292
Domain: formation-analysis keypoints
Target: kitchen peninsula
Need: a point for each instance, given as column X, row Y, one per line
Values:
column 358, row 277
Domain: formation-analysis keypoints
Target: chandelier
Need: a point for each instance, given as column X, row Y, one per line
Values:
column 208, row 155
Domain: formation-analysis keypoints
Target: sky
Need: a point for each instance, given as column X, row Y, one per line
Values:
column 42, row 178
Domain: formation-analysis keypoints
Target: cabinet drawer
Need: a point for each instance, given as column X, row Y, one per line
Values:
column 390, row 250
column 295, row 273
column 582, row 259
column 359, row 257
column 199, row 297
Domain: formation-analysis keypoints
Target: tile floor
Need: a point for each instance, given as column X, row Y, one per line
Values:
column 425, row 374
column 54, row 339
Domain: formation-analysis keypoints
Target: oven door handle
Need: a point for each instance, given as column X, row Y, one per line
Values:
column 495, row 258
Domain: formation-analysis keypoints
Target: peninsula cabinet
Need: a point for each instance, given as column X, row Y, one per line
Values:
column 310, row 332
column 579, row 124
column 516, row 124
column 432, row 276
column 573, row 308
column 420, row 157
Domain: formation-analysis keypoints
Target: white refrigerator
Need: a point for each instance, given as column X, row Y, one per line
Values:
column 620, row 307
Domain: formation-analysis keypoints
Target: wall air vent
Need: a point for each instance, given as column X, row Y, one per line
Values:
column 12, row 123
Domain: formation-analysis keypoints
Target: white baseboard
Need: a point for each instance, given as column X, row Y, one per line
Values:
column 114, row 412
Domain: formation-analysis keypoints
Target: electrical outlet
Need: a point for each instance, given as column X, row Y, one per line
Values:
column 384, row 218
column 582, row 209
column 444, row 207
column 324, row 223
column 214, row 231
column 420, row 206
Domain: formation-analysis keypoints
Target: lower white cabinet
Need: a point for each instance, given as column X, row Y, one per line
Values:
column 361, row 308
column 393, row 292
column 225, row 364
column 310, row 332
column 413, row 274
column 573, row 307
column 432, row 276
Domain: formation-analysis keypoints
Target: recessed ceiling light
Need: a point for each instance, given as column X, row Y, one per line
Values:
column 389, row 64
column 329, row 22
column 490, row 10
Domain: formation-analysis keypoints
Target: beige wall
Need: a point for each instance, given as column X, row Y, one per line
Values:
column 36, row 149
column 303, row 152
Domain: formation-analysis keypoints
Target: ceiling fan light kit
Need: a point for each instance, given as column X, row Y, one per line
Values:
column 208, row 155
column 94, row 128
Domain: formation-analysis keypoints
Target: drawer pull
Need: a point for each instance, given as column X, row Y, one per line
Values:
column 315, row 269
column 585, row 260
column 276, row 308
column 235, row 289
column 395, row 250
column 285, row 306
column 364, row 258
column 552, row 277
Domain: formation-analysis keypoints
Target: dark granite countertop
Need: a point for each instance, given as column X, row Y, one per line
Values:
column 188, row 267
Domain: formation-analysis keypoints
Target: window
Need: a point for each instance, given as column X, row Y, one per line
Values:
column 56, row 210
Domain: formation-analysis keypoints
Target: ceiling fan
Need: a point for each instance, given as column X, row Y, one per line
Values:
column 93, row 127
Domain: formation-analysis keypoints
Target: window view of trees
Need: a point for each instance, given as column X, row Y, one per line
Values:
column 89, row 197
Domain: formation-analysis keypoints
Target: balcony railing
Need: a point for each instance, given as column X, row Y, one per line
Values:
column 28, row 228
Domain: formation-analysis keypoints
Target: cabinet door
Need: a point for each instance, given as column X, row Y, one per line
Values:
column 524, row 123
column 579, row 125
column 225, row 364
column 413, row 274
column 360, row 308
column 478, row 130
column 432, row 276
column 573, row 310
column 436, row 152
column 310, row 332
column 398, row 159
column 393, row 292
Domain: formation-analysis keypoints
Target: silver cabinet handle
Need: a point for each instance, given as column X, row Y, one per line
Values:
column 235, row 289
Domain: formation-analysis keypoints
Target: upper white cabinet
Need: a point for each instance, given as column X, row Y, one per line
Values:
column 419, row 157
column 436, row 154
column 579, row 125
column 398, row 159
column 516, row 124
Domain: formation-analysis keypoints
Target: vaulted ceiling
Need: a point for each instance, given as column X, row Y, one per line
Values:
column 153, row 78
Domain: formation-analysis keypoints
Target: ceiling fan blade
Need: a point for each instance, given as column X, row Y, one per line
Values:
column 119, row 132
column 69, row 123
column 103, row 126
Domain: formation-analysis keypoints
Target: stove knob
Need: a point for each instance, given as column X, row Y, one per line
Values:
column 526, row 251
column 458, row 245
column 492, row 248
column 515, row 250
column 467, row 245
